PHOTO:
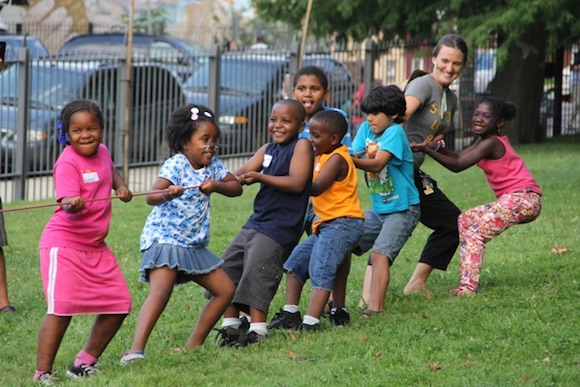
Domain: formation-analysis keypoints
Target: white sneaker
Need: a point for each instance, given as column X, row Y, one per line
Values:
column 131, row 357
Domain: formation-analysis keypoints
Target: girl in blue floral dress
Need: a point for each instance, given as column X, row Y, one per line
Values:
column 175, row 237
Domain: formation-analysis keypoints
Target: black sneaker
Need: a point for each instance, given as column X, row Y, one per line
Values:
column 82, row 371
column 245, row 323
column 252, row 338
column 230, row 336
column 309, row 327
column 286, row 320
column 339, row 317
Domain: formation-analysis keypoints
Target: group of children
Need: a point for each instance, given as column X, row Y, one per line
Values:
column 295, row 175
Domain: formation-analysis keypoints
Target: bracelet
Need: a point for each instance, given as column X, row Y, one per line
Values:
column 437, row 147
column 165, row 197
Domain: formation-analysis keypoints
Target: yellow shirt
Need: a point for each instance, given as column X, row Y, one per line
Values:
column 341, row 198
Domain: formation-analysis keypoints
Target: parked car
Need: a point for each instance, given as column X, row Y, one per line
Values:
column 14, row 42
column 249, row 86
column 484, row 70
column 184, row 55
column 156, row 91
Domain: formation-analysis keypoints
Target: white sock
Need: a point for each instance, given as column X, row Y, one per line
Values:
column 291, row 308
column 260, row 328
column 309, row 320
column 248, row 317
column 231, row 322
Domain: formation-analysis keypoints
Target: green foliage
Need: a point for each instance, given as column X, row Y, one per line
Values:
column 475, row 20
column 521, row 329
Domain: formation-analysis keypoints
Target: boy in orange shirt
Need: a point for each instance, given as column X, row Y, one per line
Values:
column 337, row 227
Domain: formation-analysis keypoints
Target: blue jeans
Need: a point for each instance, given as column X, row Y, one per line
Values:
column 386, row 234
column 320, row 255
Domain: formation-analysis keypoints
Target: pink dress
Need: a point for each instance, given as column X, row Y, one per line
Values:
column 80, row 274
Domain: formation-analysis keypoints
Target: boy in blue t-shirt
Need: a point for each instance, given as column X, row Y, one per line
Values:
column 389, row 173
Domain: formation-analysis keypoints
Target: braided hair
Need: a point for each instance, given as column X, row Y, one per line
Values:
column 78, row 105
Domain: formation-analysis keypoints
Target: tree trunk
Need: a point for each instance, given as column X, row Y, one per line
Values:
column 521, row 80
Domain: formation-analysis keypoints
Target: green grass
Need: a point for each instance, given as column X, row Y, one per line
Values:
column 523, row 328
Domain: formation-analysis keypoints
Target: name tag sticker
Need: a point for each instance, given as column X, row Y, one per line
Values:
column 90, row 176
column 267, row 160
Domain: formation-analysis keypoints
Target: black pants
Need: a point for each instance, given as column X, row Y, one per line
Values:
column 440, row 215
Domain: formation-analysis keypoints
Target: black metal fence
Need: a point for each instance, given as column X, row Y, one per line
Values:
column 240, row 86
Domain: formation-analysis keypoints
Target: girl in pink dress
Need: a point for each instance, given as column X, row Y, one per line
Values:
column 519, row 198
column 80, row 274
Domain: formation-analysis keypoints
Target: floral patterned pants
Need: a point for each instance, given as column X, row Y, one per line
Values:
column 479, row 225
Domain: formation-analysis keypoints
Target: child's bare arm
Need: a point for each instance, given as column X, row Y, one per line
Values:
column 163, row 191
column 254, row 163
column 120, row 186
column 298, row 177
column 376, row 164
column 335, row 169
column 229, row 186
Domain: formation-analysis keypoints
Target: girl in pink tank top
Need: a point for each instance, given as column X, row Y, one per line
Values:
column 518, row 195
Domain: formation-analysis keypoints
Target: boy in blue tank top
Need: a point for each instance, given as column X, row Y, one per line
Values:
column 254, row 259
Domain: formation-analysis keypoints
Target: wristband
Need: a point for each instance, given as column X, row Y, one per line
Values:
column 165, row 197
column 437, row 147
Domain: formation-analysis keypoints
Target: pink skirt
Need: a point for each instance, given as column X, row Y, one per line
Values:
column 83, row 282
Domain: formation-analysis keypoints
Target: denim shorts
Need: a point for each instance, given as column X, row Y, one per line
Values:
column 386, row 234
column 320, row 255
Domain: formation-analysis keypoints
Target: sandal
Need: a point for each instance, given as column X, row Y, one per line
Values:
column 8, row 309
column 369, row 313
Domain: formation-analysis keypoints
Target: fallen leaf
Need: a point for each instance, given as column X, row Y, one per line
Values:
column 378, row 354
column 546, row 360
column 559, row 249
column 434, row 367
column 292, row 336
column 554, row 289
column 526, row 377
column 292, row 355
column 365, row 339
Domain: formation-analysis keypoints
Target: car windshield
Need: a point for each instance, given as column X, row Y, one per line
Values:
column 237, row 76
column 484, row 61
column 50, row 86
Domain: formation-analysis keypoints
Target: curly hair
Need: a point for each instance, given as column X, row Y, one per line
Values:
column 386, row 99
column 75, row 106
column 184, row 121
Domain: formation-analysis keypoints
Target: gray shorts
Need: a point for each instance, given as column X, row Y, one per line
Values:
column 254, row 263
column 387, row 234
column 3, row 238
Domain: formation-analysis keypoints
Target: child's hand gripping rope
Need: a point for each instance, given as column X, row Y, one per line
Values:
column 76, row 203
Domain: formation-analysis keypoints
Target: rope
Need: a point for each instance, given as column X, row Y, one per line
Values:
column 88, row 200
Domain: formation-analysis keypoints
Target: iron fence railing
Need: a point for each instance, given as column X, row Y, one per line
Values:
column 240, row 86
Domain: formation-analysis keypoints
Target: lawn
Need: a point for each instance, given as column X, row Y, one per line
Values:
column 523, row 328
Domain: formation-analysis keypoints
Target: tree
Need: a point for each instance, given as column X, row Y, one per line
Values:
column 526, row 31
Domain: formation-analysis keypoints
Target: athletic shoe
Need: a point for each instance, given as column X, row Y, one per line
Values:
column 230, row 336
column 286, row 320
column 339, row 317
column 46, row 379
column 252, row 338
column 309, row 327
column 131, row 357
column 245, row 323
column 81, row 371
